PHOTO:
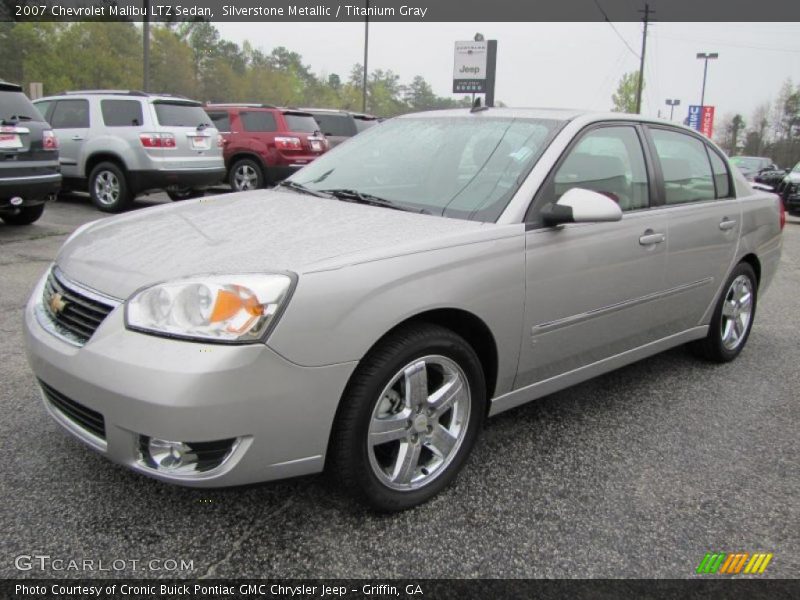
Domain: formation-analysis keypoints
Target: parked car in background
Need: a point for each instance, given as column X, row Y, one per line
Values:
column 789, row 189
column 264, row 144
column 118, row 144
column 371, row 311
column 339, row 125
column 773, row 178
column 752, row 166
column 29, row 170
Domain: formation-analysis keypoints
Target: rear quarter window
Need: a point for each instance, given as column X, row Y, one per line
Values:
column 721, row 179
column 258, row 121
column 301, row 123
column 121, row 113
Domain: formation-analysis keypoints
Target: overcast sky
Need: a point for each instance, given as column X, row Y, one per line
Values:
column 575, row 65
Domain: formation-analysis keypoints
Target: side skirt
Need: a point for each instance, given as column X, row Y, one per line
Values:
column 581, row 374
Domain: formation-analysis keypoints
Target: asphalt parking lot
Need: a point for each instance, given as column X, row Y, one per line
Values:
column 638, row 473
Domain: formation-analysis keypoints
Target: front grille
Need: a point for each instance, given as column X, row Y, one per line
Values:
column 86, row 418
column 75, row 313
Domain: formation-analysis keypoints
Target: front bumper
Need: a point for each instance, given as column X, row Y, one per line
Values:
column 281, row 413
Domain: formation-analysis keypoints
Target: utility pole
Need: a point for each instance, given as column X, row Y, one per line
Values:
column 647, row 12
column 366, row 56
column 146, row 46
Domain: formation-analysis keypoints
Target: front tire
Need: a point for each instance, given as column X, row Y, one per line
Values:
column 108, row 187
column 246, row 175
column 25, row 216
column 409, row 418
column 733, row 317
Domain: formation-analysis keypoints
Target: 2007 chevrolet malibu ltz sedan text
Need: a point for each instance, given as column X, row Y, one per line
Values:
column 369, row 314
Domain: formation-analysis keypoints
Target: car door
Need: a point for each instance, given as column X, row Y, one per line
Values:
column 704, row 220
column 593, row 290
column 70, row 122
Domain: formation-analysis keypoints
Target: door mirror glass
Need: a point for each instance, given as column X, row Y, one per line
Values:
column 578, row 205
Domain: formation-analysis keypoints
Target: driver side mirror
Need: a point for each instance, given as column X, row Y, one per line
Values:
column 578, row 205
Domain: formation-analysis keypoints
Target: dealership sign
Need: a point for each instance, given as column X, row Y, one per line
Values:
column 701, row 118
column 470, row 67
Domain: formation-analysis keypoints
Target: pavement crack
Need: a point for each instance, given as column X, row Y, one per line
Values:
column 246, row 534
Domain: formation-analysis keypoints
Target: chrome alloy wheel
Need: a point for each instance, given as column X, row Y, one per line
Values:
column 245, row 178
column 106, row 188
column 737, row 310
column 419, row 423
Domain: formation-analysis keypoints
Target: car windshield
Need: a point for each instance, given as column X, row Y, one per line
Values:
column 180, row 114
column 466, row 167
column 16, row 106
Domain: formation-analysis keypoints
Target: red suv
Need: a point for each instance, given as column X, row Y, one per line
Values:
column 264, row 144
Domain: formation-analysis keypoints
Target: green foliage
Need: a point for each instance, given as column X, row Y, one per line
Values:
column 624, row 98
column 191, row 59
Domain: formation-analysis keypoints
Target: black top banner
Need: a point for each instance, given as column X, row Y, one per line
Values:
column 400, row 10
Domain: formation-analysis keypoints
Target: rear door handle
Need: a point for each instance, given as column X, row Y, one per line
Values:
column 727, row 224
column 650, row 238
column 77, row 138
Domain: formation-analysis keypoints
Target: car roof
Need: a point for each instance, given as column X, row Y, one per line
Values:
column 118, row 93
column 6, row 86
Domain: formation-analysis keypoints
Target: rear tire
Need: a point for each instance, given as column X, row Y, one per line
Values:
column 409, row 418
column 245, row 175
column 109, row 189
column 25, row 216
column 733, row 317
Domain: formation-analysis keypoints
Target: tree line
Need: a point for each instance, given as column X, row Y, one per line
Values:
column 773, row 129
column 192, row 60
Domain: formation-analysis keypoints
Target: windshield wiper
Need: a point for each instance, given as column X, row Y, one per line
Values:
column 363, row 198
column 299, row 187
column 14, row 119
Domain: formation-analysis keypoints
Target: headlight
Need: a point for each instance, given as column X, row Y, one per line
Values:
column 222, row 308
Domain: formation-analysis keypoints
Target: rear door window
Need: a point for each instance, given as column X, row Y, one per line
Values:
column 121, row 113
column 258, row 121
column 180, row 114
column 685, row 166
column 70, row 114
column 334, row 124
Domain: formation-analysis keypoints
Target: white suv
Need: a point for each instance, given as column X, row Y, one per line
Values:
column 117, row 144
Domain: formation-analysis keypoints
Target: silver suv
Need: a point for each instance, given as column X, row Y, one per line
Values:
column 118, row 144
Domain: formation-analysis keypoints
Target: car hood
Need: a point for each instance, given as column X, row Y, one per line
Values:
column 245, row 232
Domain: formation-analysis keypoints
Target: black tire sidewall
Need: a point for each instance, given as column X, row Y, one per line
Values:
column 124, row 194
column 364, row 395
column 715, row 336
column 251, row 163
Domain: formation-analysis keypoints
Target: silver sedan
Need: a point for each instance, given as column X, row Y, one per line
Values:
column 367, row 315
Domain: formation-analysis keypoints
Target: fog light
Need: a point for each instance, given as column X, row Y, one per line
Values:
column 165, row 455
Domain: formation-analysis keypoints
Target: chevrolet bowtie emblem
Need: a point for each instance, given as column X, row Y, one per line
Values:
column 57, row 303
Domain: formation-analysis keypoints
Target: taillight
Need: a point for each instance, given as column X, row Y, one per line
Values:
column 49, row 140
column 157, row 140
column 783, row 212
column 288, row 143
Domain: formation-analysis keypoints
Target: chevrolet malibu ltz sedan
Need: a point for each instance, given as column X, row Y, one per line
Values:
column 368, row 314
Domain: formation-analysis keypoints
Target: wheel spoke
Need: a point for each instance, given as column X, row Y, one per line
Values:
column 407, row 461
column 443, row 399
column 416, row 385
column 388, row 429
column 441, row 441
column 727, row 331
column 729, row 309
column 745, row 300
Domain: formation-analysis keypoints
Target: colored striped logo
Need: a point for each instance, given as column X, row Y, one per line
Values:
column 734, row 563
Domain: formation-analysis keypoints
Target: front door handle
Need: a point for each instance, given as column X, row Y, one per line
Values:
column 727, row 224
column 650, row 238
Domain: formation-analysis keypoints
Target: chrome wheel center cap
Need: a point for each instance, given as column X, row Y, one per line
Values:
column 420, row 423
